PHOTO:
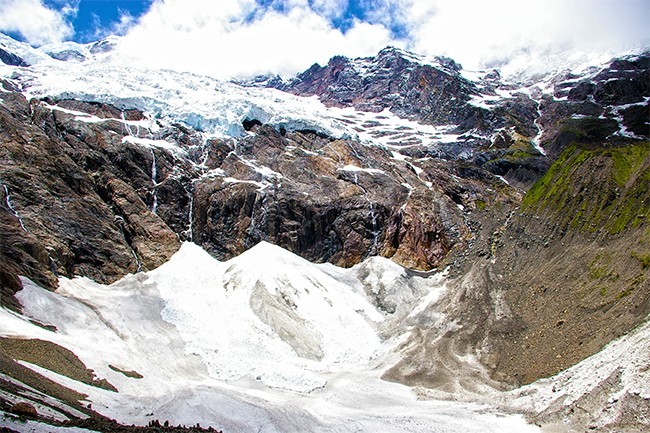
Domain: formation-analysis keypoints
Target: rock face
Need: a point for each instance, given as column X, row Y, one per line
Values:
column 73, row 200
column 11, row 59
column 394, row 80
column 332, row 200
column 495, row 120
column 606, row 103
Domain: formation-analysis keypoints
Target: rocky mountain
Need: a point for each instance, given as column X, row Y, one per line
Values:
column 533, row 195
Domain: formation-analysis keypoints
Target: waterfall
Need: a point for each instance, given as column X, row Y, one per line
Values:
column 189, row 233
column 373, row 216
column 127, row 127
column 11, row 208
column 536, row 140
column 137, row 261
column 154, row 175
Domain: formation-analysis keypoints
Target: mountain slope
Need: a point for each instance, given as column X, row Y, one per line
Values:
column 560, row 277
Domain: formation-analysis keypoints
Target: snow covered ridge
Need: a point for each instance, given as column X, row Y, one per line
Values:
column 264, row 342
column 217, row 108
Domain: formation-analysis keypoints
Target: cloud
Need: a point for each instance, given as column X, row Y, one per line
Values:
column 330, row 8
column 523, row 35
column 242, row 38
column 34, row 21
column 233, row 38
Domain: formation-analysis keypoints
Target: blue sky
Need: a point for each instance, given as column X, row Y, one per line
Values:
column 228, row 38
column 97, row 18
column 90, row 20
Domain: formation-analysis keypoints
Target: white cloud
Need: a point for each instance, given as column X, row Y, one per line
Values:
column 239, row 38
column 37, row 23
column 517, row 34
column 330, row 8
column 243, row 37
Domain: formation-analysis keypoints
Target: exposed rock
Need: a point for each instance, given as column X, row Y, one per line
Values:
column 326, row 200
column 67, row 217
column 395, row 80
column 24, row 409
column 11, row 59
column 52, row 357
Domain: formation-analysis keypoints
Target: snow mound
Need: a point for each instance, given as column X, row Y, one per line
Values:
column 265, row 342
column 266, row 301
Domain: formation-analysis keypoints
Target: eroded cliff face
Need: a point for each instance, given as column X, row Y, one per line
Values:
column 74, row 199
column 334, row 200
column 88, row 190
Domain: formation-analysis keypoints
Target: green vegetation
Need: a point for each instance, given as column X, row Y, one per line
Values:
column 600, row 268
column 590, row 188
column 518, row 155
column 643, row 258
column 588, row 129
column 627, row 162
column 624, row 293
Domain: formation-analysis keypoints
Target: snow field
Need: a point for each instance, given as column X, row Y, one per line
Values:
column 264, row 342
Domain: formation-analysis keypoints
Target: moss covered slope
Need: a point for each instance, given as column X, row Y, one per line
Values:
column 590, row 188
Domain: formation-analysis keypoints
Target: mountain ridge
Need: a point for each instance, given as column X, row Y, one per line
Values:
column 506, row 185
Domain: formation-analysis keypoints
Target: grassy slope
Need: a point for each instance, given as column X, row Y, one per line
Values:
column 575, row 264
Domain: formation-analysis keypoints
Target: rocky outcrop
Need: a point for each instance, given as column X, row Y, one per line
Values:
column 605, row 104
column 333, row 200
column 395, row 80
column 11, row 59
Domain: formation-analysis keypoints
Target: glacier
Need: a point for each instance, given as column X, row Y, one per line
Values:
column 266, row 341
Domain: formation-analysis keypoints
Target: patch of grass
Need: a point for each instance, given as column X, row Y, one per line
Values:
column 643, row 258
column 627, row 161
column 518, row 155
column 598, row 273
column 624, row 293
column 603, row 291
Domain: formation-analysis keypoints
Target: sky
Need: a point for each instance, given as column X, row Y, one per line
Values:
column 238, row 38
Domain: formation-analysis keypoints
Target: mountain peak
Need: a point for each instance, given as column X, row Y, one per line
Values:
column 439, row 62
